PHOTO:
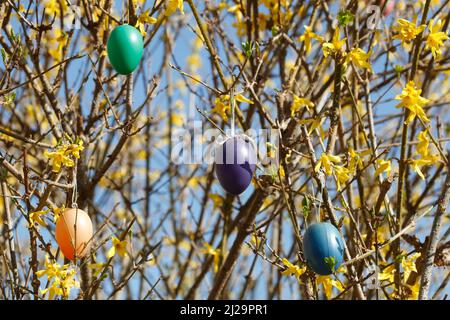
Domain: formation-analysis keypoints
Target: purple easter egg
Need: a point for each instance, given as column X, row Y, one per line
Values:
column 235, row 162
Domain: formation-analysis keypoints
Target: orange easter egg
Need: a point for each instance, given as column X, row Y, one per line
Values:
column 69, row 241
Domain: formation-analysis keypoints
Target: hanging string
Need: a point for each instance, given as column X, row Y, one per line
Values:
column 318, row 196
column 129, row 6
column 75, row 185
column 316, row 199
column 233, row 105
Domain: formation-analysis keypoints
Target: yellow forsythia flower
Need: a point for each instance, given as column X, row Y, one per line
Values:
column 315, row 124
column 292, row 269
column 57, row 212
column 423, row 150
column 409, row 265
column 61, row 279
column 118, row 246
column 36, row 217
column 383, row 166
column 328, row 283
column 223, row 104
column 414, row 291
column 360, row 58
column 416, row 163
column 144, row 18
column 209, row 250
column 63, row 155
column 58, row 158
column 53, row 7
column 356, row 159
column 387, row 274
column 173, row 5
column 241, row 98
column 97, row 268
column 342, row 175
column 298, row 103
column 221, row 109
column 410, row 98
column 74, row 149
column 326, row 161
column 307, row 37
column 436, row 38
column 407, row 31
column 424, row 141
column 217, row 200
column 335, row 45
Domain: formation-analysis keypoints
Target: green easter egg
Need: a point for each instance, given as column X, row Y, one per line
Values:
column 125, row 47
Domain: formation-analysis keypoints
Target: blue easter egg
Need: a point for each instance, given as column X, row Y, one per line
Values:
column 235, row 163
column 323, row 248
